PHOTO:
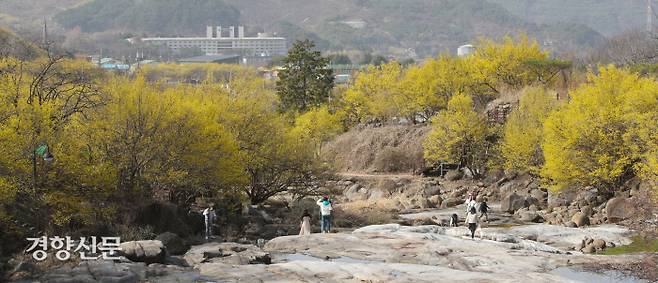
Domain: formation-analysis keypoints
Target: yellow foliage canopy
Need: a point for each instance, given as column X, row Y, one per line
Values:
column 523, row 132
column 316, row 127
column 603, row 133
column 457, row 134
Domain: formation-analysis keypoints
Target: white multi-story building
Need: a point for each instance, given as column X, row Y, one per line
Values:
column 217, row 41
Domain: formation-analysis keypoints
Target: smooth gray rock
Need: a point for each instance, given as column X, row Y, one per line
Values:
column 450, row 202
column 174, row 244
column 599, row 244
column 454, row 175
column 580, row 219
column 227, row 253
column 530, row 216
column 151, row 251
column 512, row 203
column 94, row 272
column 618, row 209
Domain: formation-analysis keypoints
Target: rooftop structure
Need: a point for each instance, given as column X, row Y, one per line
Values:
column 220, row 40
column 221, row 59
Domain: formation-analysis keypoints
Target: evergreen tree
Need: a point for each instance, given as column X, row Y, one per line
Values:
column 305, row 81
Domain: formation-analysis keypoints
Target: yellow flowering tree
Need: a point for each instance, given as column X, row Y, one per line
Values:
column 523, row 131
column 316, row 127
column 600, row 137
column 371, row 95
column 458, row 135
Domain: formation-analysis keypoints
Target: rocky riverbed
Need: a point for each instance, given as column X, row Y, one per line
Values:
column 379, row 253
column 529, row 237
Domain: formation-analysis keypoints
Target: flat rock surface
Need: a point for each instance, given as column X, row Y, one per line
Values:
column 394, row 253
column 386, row 253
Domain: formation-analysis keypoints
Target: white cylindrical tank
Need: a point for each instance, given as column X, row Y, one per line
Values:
column 465, row 50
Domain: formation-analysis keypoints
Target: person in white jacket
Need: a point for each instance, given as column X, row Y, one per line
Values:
column 209, row 217
column 470, row 202
column 472, row 221
column 325, row 212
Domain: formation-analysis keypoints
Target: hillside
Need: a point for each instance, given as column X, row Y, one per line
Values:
column 11, row 45
column 386, row 149
column 405, row 28
column 152, row 16
column 608, row 17
column 29, row 14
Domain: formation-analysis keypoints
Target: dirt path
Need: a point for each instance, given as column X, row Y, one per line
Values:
column 378, row 176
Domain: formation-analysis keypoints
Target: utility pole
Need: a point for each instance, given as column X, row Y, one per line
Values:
column 650, row 15
column 44, row 35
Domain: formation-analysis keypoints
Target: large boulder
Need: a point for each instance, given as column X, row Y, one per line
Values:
column 562, row 198
column 589, row 249
column 435, row 200
column 227, row 253
column 512, row 203
column 599, row 244
column 174, row 244
column 459, row 193
column 530, row 216
column 431, row 190
column 587, row 196
column 540, row 195
column 618, row 209
column 494, row 175
column 450, row 202
column 580, row 219
column 420, row 202
column 587, row 210
column 151, row 251
column 531, row 201
column 377, row 194
column 355, row 192
column 517, row 183
column 454, row 175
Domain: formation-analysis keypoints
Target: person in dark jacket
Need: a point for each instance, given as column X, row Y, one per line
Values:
column 484, row 209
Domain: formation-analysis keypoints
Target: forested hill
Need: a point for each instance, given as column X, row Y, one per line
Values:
column 14, row 46
column 423, row 27
column 28, row 15
column 390, row 26
column 171, row 17
column 608, row 17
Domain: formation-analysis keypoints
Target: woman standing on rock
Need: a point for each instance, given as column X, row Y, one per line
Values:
column 472, row 220
column 305, row 224
column 325, row 211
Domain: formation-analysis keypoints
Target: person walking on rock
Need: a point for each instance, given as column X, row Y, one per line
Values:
column 305, row 225
column 484, row 208
column 470, row 202
column 472, row 221
column 325, row 212
column 209, row 217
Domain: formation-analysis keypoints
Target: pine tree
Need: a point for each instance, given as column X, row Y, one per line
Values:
column 305, row 81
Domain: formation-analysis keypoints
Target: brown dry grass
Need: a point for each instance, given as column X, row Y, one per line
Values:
column 365, row 212
column 387, row 149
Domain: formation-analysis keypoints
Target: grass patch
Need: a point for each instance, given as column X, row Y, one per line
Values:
column 639, row 245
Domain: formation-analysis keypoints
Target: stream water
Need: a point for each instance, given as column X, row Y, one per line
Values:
column 576, row 275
